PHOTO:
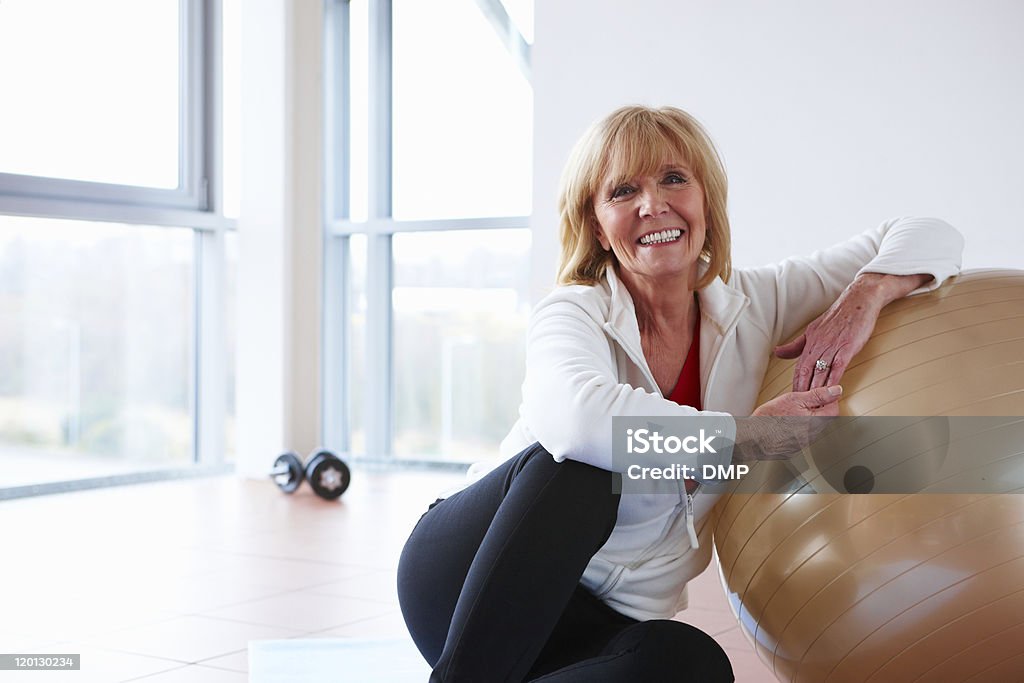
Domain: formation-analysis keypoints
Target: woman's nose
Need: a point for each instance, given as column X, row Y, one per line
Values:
column 652, row 203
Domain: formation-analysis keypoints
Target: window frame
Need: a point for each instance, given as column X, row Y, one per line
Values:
column 187, row 204
column 379, row 227
column 196, row 204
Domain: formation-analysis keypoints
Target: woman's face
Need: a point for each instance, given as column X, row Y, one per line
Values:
column 654, row 224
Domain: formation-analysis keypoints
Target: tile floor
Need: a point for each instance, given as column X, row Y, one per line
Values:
column 170, row 581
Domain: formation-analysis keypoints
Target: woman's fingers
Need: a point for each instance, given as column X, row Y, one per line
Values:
column 832, row 340
column 803, row 372
column 793, row 349
column 820, row 397
column 824, row 363
column 822, row 371
column 809, row 373
column 839, row 364
column 801, row 402
column 795, row 422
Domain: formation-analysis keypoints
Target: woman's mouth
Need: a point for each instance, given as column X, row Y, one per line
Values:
column 662, row 237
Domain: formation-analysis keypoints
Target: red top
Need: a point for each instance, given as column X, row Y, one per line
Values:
column 687, row 389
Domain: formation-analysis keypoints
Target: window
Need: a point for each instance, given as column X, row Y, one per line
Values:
column 460, row 309
column 93, row 114
column 114, row 244
column 461, row 116
column 428, row 178
column 95, row 348
column 104, row 113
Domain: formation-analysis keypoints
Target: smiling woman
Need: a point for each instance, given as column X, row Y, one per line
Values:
column 638, row 218
column 672, row 154
column 654, row 225
column 539, row 570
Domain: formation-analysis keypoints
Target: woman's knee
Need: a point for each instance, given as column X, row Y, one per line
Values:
column 427, row 587
column 576, row 483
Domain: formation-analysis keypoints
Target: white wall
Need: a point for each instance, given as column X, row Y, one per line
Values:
column 280, row 228
column 830, row 116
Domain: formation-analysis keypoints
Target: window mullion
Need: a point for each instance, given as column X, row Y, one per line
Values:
column 191, row 98
column 210, row 353
column 510, row 36
column 335, row 396
column 201, row 146
column 209, row 162
column 379, row 385
column 380, row 171
column 337, row 111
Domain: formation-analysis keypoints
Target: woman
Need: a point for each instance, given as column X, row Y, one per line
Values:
column 537, row 571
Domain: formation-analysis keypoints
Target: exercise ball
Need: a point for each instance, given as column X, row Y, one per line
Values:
column 898, row 586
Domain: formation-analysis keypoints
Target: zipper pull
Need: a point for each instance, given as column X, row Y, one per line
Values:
column 690, row 529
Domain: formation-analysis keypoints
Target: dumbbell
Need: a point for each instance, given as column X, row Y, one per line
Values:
column 287, row 472
column 328, row 475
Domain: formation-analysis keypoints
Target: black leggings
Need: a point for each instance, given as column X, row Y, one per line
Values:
column 489, row 586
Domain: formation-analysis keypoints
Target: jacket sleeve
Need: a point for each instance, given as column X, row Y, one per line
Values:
column 791, row 293
column 572, row 391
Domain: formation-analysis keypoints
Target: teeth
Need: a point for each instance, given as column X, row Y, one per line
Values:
column 663, row 236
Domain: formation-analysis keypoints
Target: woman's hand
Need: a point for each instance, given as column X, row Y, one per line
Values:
column 821, row 402
column 838, row 334
column 785, row 424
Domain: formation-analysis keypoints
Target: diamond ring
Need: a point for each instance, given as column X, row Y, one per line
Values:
column 821, row 366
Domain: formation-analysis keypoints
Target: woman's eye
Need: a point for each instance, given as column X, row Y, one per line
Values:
column 621, row 191
column 675, row 178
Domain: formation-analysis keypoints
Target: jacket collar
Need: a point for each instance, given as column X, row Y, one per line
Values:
column 720, row 309
column 720, row 305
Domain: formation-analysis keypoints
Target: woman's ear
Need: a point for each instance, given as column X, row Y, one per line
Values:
column 599, row 234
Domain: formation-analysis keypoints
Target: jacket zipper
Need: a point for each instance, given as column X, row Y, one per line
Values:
column 641, row 362
column 691, row 530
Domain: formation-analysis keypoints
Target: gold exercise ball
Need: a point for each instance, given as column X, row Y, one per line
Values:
column 896, row 586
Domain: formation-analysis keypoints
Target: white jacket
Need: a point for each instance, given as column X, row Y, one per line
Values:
column 584, row 364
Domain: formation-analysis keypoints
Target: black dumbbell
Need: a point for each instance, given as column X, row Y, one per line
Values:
column 287, row 472
column 328, row 475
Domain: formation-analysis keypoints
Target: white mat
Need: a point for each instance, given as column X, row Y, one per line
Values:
column 341, row 660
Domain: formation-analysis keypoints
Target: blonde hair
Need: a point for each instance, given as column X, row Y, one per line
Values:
column 630, row 142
